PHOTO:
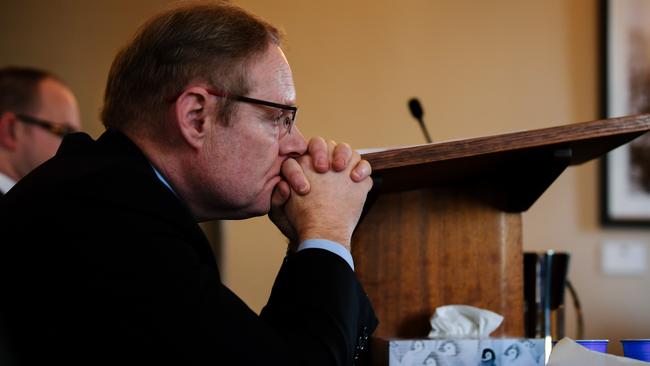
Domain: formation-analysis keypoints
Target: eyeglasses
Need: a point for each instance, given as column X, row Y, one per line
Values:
column 287, row 121
column 58, row 129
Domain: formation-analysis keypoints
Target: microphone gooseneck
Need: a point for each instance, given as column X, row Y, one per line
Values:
column 416, row 111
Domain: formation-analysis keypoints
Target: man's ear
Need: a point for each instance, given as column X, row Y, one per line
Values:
column 8, row 139
column 191, row 112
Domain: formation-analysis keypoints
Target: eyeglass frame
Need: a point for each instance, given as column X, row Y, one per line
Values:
column 243, row 99
column 56, row 128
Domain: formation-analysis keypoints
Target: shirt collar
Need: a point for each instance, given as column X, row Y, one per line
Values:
column 6, row 183
column 162, row 179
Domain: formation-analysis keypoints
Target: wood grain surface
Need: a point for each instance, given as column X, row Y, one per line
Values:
column 589, row 139
column 443, row 223
column 425, row 248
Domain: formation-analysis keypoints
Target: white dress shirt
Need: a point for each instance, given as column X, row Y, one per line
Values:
column 6, row 183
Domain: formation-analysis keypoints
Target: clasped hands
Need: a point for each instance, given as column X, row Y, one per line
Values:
column 322, row 194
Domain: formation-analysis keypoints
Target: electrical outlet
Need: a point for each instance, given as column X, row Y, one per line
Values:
column 624, row 257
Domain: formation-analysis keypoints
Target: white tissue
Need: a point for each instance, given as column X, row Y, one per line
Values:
column 463, row 321
column 568, row 353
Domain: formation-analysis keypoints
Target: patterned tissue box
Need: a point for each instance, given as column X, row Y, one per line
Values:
column 464, row 352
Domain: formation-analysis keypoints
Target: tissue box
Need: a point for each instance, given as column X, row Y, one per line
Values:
column 458, row 352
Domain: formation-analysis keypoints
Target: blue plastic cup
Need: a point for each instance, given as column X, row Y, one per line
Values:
column 638, row 349
column 598, row 345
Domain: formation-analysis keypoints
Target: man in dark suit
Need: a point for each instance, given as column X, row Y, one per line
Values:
column 36, row 110
column 102, row 258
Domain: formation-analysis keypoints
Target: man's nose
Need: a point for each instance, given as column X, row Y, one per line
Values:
column 293, row 144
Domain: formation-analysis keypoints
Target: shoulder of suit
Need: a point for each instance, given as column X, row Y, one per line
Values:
column 75, row 143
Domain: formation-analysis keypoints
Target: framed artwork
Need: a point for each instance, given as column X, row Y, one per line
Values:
column 625, row 173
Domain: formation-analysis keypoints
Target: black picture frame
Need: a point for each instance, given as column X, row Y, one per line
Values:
column 625, row 60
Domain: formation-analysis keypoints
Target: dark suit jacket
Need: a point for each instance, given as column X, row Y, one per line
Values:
column 103, row 264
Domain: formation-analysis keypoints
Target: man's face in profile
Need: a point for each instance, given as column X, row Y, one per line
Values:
column 56, row 104
column 245, row 157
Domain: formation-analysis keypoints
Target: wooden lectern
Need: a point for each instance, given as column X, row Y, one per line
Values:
column 443, row 225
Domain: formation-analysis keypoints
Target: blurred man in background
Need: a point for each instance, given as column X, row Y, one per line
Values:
column 36, row 111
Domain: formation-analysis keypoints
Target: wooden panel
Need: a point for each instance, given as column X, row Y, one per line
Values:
column 437, row 228
column 516, row 167
column 420, row 249
column 588, row 140
column 510, row 182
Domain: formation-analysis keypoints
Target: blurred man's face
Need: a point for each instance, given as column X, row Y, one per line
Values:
column 36, row 144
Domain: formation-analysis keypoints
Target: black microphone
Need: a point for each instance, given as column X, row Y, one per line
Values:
column 416, row 111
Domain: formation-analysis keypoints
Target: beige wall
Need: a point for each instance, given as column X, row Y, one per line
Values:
column 75, row 39
column 479, row 68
